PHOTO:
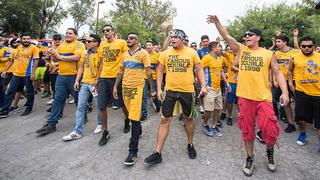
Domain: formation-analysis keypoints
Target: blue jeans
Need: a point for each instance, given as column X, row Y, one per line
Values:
column 64, row 84
column 82, row 107
column 144, row 109
column 15, row 83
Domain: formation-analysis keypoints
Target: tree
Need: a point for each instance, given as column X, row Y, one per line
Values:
column 36, row 16
column 279, row 17
column 81, row 12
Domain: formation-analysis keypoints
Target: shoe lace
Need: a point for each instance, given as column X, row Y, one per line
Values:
column 270, row 156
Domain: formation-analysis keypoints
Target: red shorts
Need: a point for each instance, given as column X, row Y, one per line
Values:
column 262, row 111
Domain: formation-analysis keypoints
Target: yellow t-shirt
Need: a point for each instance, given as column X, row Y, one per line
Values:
column 13, row 57
column 179, row 66
column 91, row 62
column 232, row 75
column 4, row 57
column 134, row 65
column 70, row 49
column 154, row 60
column 111, row 54
column 212, row 70
column 306, row 71
column 253, row 76
column 283, row 60
column 25, row 60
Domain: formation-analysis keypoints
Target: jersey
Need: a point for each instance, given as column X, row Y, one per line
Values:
column 91, row 62
column 70, row 49
column 4, row 57
column 134, row 65
column 111, row 54
column 253, row 76
column 232, row 75
column 25, row 60
column 179, row 65
column 306, row 71
column 283, row 60
column 154, row 60
column 212, row 68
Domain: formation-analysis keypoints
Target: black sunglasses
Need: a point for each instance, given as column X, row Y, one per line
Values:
column 307, row 46
column 248, row 34
column 106, row 30
column 88, row 41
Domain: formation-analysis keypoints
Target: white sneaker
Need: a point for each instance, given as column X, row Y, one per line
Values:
column 71, row 101
column 98, row 129
column 72, row 136
column 50, row 102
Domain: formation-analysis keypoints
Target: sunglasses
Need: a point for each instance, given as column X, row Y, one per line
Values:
column 307, row 46
column 106, row 30
column 57, row 39
column 131, row 38
column 88, row 41
column 248, row 34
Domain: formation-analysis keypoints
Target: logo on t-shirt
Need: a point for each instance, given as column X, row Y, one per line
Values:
column 251, row 63
column 175, row 64
column 110, row 55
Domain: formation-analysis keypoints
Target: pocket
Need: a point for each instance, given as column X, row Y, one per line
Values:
column 242, row 123
column 273, row 128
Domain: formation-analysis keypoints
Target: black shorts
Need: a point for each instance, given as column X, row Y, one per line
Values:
column 105, row 92
column 307, row 108
column 276, row 92
column 186, row 100
column 7, row 79
column 46, row 78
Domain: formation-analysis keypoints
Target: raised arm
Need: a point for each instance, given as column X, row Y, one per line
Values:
column 295, row 38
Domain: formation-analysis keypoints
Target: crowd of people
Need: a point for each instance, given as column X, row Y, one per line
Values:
column 111, row 72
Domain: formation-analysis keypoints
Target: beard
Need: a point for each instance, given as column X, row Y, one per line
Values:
column 307, row 54
column 26, row 44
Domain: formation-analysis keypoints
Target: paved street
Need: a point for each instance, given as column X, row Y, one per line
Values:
column 23, row 155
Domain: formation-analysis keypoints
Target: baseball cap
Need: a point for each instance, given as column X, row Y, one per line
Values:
column 256, row 32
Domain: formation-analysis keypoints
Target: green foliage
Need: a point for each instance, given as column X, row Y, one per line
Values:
column 280, row 17
column 35, row 16
column 81, row 12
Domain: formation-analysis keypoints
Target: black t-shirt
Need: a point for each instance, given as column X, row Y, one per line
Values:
column 42, row 62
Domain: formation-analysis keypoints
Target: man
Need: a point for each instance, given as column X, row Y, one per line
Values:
column 88, row 71
column 110, row 51
column 154, row 60
column 23, row 75
column 304, row 66
column 68, row 55
column 282, row 57
column 4, row 60
column 179, row 63
column 254, row 92
column 194, row 46
column 212, row 64
column 132, row 67
column 41, row 69
column 204, row 46
column 317, row 48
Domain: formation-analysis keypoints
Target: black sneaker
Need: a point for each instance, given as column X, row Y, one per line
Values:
column 284, row 119
column 131, row 159
column 26, row 112
column 49, row 110
column 4, row 115
column 153, row 159
column 142, row 119
column 229, row 121
column 219, row 123
column 126, row 127
column 248, row 166
column 191, row 151
column 46, row 129
column 223, row 116
column 105, row 137
column 271, row 162
column 260, row 137
column 290, row 128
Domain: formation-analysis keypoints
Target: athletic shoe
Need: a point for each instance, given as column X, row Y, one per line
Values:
column 201, row 110
column 207, row 130
column 26, row 112
column 12, row 108
column 229, row 121
column 72, row 136
column 284, row 119
column 302, row 139
column 105, row 137
column 46, row 129
column 126, row 127
column 191, row 151
column 4, row 115
column 142, row 119
column 49, row 110
column 216, row 132
column 290, row 128
column 153, row 159
column 71, row 101
column 98, row 129
column 260, row 137
column 223, row 116
column 50, row 102
column 131, row 159
column 248, row 166
column 115, row 107
column 271, row 162
column 219, row 123
column 45, row 95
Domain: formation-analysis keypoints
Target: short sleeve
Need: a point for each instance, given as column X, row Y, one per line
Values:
column 205, row 61
column 196, row 59
column 124, row 47
column 35, row 52
column 80, row 49
column 162, row 58
column 146, row 60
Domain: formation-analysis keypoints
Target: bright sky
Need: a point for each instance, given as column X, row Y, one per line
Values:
column 191, row 15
